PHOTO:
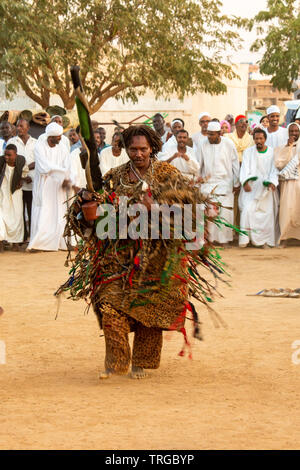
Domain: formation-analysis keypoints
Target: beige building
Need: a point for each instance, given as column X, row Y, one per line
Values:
column 262, row 94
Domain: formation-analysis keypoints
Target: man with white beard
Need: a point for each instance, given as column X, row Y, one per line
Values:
column 258, row 199
column 219, row 170
column 50, row 191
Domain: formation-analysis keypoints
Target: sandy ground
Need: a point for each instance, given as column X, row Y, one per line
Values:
column 240, row 391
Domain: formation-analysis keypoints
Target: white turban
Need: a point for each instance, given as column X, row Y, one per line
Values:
column 176, row 120
column 201, row 115
column 273, row 109
column 53, row 130
column 214, row 126
column 293, row 124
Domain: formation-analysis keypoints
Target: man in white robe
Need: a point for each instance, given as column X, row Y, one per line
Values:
column 50, row 191
column 219, row 172
column 160, row 127
column 182, row 156
column 176, row 125
column 113, row 156
column 258, row 199
column 6, row 133
column 287, row 161
column 204, row 119
column 11, row 200
column 25, row 146
column 276, row 135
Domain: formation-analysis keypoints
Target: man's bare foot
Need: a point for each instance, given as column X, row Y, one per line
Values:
column 1, row 247
column 138, row 373
column 266, row 247
column 106, row 374
column 283, row 244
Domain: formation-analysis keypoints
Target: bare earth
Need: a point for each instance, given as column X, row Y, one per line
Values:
column 240, row 391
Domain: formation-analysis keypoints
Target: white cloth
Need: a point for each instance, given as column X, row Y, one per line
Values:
column 198, row 138
column 188, row 168
column 164, row 136
column 277, row 138
column 109, row 161
column 273, row 109
column 27, row 150
column 11, row 210
column 52, row 167
column 214, row 126
column 77, row 172
column 219, row 166
column 2, row 145
column 171, row 142
column 259, row 207
column 64, row 140
column 53, row 129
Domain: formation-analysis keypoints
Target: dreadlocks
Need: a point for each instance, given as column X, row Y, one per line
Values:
column 151, row 136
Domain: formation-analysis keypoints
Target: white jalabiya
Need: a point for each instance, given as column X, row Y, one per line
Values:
column 198, row 138
column 188, row 168
column 2, row 146
column 277, row 138
column 11, row 210
column 109, row 161
column 77, row 172
column 259, row 207
column 170, row 143
column 27, row 150
column 52, row 167
column 219, row 166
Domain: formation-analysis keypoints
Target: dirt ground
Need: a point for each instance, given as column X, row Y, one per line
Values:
column 240, row 391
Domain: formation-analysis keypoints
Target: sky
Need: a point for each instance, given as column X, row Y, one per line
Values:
column 245, row 9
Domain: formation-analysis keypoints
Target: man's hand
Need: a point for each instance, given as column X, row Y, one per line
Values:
column 184, row 156
column 247, row 187
column 291, row 141
column 272, row 187
column 236, row 189
column 76, row 189
column 199, row 180
column 147, row 201
column 31, row 166
column 28, row 180
column 66, row 184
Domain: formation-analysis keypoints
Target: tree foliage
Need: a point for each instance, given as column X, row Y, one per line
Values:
column 280, row 40
column 122, row 46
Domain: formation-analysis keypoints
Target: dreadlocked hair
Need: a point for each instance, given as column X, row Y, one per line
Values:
column 152, row 138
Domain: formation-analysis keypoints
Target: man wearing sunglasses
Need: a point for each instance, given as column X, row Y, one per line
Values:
column 204, row 120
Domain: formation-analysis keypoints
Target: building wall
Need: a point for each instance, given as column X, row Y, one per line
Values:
column 262, row 94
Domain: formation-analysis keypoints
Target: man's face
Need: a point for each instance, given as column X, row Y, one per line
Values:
column 5, row 130
column 10, row 157
column 204, row 121
column 58, row 120
column 102, row 133
column 265, row 122
column 224, row 128
column 259, row 140
column 274, row 119
column 176, row 127
column 182, row 138
column 139, row 152
column 97, row 139
column 242, row 125
column 73, row 136
column 294, row 132
column 22, row 128
column 158, row 123
column 54, row 140
column 116, row 142
column 214, row 137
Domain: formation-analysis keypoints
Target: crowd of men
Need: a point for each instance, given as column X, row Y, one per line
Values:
column 250, row 174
